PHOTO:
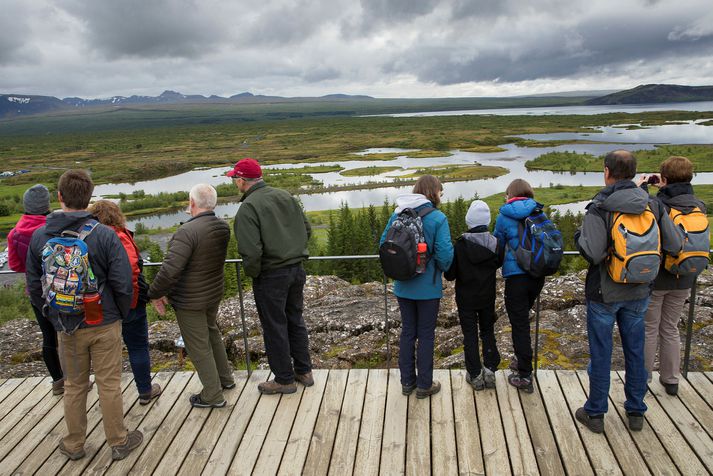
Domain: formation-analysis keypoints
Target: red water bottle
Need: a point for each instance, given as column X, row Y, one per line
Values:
column 93, row 314
column 421, row 257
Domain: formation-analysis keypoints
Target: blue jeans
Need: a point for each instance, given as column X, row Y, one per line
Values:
column 629, row 316
column 135, row 331
column 418, row 323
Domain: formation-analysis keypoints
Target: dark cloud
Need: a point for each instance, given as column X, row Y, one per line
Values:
column 13, row 32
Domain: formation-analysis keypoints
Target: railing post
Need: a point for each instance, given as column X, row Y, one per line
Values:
column 242, row 318
column 537, row 331
column 386, row 325
column 689, row 329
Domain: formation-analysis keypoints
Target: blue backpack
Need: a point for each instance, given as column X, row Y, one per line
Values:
column 539, row 252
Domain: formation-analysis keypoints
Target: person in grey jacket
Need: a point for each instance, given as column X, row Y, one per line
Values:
column 191, row 280
column 608, row 301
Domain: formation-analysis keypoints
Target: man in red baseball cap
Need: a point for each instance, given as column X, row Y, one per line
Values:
column 272, row 232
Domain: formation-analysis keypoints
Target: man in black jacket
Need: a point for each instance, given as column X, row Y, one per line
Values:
column 97, row 345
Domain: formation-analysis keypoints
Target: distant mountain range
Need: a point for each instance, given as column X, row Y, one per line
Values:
column 19, row 105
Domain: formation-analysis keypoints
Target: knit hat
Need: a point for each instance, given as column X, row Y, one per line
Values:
column 478, row 214
column 36, row 200
column 246, row 168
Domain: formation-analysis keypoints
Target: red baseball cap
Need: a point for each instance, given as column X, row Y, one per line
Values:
column 246, row 168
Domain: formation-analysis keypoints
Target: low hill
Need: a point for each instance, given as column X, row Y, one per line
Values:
column 656, row 93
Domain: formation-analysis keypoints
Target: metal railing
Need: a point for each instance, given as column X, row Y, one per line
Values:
column 238, row 272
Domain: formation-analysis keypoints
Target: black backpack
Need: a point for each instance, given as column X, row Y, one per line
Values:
column 399, row 251
column 539, row 250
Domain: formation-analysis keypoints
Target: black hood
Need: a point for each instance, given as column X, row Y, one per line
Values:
column 480, row 246
column 57, row 222
column 680, row 196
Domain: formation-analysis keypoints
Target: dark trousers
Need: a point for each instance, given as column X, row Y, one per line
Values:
column 135, row 331
column 49, row 345
column 470, row 320
column 521, row 291
column 418, row 323
column 279, row 300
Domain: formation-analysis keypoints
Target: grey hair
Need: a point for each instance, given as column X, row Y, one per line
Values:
column 204, row 196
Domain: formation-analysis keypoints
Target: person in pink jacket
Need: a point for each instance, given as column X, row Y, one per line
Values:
column 36, row 201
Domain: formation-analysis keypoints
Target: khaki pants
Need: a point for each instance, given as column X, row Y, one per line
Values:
column 662, row 317
column 204, row 344
column 100, row 348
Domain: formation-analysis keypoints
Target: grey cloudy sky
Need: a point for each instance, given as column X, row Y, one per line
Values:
column 385, row 48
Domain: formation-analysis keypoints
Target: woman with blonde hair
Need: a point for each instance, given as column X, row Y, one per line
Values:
column 134, row 328
column 419, row 297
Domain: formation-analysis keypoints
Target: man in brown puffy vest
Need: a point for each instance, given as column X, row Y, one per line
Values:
column 191, row 277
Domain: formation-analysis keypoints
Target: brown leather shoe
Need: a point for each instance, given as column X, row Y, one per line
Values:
column 58, row 387
column 427, row 392
column 133, row 441
column 271, row 387
column 145, row 398
column 73, row 455
column 305, row 379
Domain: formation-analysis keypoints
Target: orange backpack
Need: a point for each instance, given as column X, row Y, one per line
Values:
column 635, row 251
column 693, row 228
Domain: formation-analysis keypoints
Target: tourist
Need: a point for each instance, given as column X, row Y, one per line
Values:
column 272, row 232
column 36, row 201
column 476, row 258
column 191, row 280
column 135, row 328
column 85, row 291
column 671, row 289
column 619, row 238
column 420, row 297
column 521, row 289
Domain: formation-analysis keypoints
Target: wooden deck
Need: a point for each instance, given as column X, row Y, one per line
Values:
column 357, row 422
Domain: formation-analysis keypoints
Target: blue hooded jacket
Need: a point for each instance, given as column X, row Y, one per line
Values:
column 506, row 230
column 440, row 250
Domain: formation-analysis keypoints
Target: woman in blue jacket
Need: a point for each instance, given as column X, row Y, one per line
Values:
column 420, row 297
column 521, row 289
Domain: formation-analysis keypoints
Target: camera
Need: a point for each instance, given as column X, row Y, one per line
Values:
column 652, row 179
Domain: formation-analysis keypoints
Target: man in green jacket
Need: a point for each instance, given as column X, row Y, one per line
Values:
column 272, row 233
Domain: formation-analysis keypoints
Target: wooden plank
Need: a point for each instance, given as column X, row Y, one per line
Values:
column 18, row 395
column 444, row 455
column 146, row 418
column 153, row 451
column 418, row 436
column 470, row 453
column 195, row 455
column 249, row 448
column 652, row 451
column 543, row 441
column 519, row 445
column 562, row 422
column 600, row 453
column 40, row 443
column 393, row 449
column 268, row 461
column 320, row 448
column 345, row 442
column 24, row 406
column 697, row 405
column 702, row 385
column 676, row 446
column 295, row 453
column 372, row 424
column 692, row 432
column 709, row 375
column 29, row 421
column 228, row 442
column 9, row 386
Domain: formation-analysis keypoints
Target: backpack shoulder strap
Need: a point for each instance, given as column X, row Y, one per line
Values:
column 425, row 211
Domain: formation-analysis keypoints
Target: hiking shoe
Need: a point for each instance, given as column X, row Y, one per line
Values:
column 427, row 392
column 230, row 386
column 305, row 379
column 671, row 388
column 489, row 377
column 145, row 398
column 478, row 383
column 636, row 421
column 197, row 401
column 408, row 389
column 58, row 387
column 513, row 364
column 133, row 441
column 594, row 423
column 272, row 387
column 73, row 455
column 521, row 383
